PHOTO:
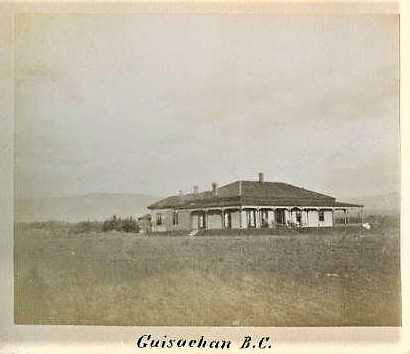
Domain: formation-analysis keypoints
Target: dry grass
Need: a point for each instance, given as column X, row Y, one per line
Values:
column 312, row 279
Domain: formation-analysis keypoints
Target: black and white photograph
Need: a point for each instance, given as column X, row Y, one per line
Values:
column 207, row 170
column 203, row 177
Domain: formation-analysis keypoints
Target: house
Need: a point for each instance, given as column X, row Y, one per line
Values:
column 251, row 204
column 144, row 224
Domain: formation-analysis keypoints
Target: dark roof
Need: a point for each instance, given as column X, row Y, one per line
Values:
column 344, row 205
column 251, row 193
column 146, row 216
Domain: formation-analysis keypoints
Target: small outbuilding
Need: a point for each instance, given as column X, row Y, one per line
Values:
column 144, row 224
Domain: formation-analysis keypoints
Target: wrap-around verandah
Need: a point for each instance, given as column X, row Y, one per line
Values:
column 243, row 217
column 252, row 204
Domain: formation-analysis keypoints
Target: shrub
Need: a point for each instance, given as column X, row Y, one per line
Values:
column 118, row 224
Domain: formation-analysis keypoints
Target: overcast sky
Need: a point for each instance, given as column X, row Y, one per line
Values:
column 151, row 104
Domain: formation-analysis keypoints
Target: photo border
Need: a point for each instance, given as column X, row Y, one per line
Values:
column 113, row 339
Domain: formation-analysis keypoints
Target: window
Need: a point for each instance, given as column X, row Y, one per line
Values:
column 159, row 219
column 321, row 215
column 175, row 218
column 298, row 216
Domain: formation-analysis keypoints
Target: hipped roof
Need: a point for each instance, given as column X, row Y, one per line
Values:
column 243, row 193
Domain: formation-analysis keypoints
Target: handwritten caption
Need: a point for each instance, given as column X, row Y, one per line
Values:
column 147, row 341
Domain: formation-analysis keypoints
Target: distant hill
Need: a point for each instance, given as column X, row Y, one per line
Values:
column 383, row 204
column 98, row 206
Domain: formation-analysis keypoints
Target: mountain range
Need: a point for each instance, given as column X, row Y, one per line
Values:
column 100, row 206
column 382, row 204
column 97, row 206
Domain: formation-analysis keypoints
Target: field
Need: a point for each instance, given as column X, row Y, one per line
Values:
column 332, row 278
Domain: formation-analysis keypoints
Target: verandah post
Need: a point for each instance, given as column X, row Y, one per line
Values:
column 206, row 219
column 307, row 217
column 345, row 218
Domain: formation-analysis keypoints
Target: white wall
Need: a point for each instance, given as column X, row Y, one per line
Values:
column 328, row 219
column 271, row 218
column 313, row 218
column 235, row 219
column 164, row 215
column 292, row 217
column 244, row 220
column 304, row 221
column 288, row 216
column 184, row 220
column 187, row 221
column 194, row 222
column 214, row 221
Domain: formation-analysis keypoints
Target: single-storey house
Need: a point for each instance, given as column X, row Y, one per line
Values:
column 251, row 204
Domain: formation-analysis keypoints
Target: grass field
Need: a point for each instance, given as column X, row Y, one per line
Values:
column 332, row 278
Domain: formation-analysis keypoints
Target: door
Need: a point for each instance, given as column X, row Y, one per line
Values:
column 280, row 216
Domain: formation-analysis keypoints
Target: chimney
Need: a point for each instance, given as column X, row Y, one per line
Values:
column 214, row 188
column 195, row 189
column 181, row 193
column 260, row 177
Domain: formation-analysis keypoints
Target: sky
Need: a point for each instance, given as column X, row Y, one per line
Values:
column 156, row 103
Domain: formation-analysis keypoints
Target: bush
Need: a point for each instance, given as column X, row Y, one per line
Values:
column 118, row 224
